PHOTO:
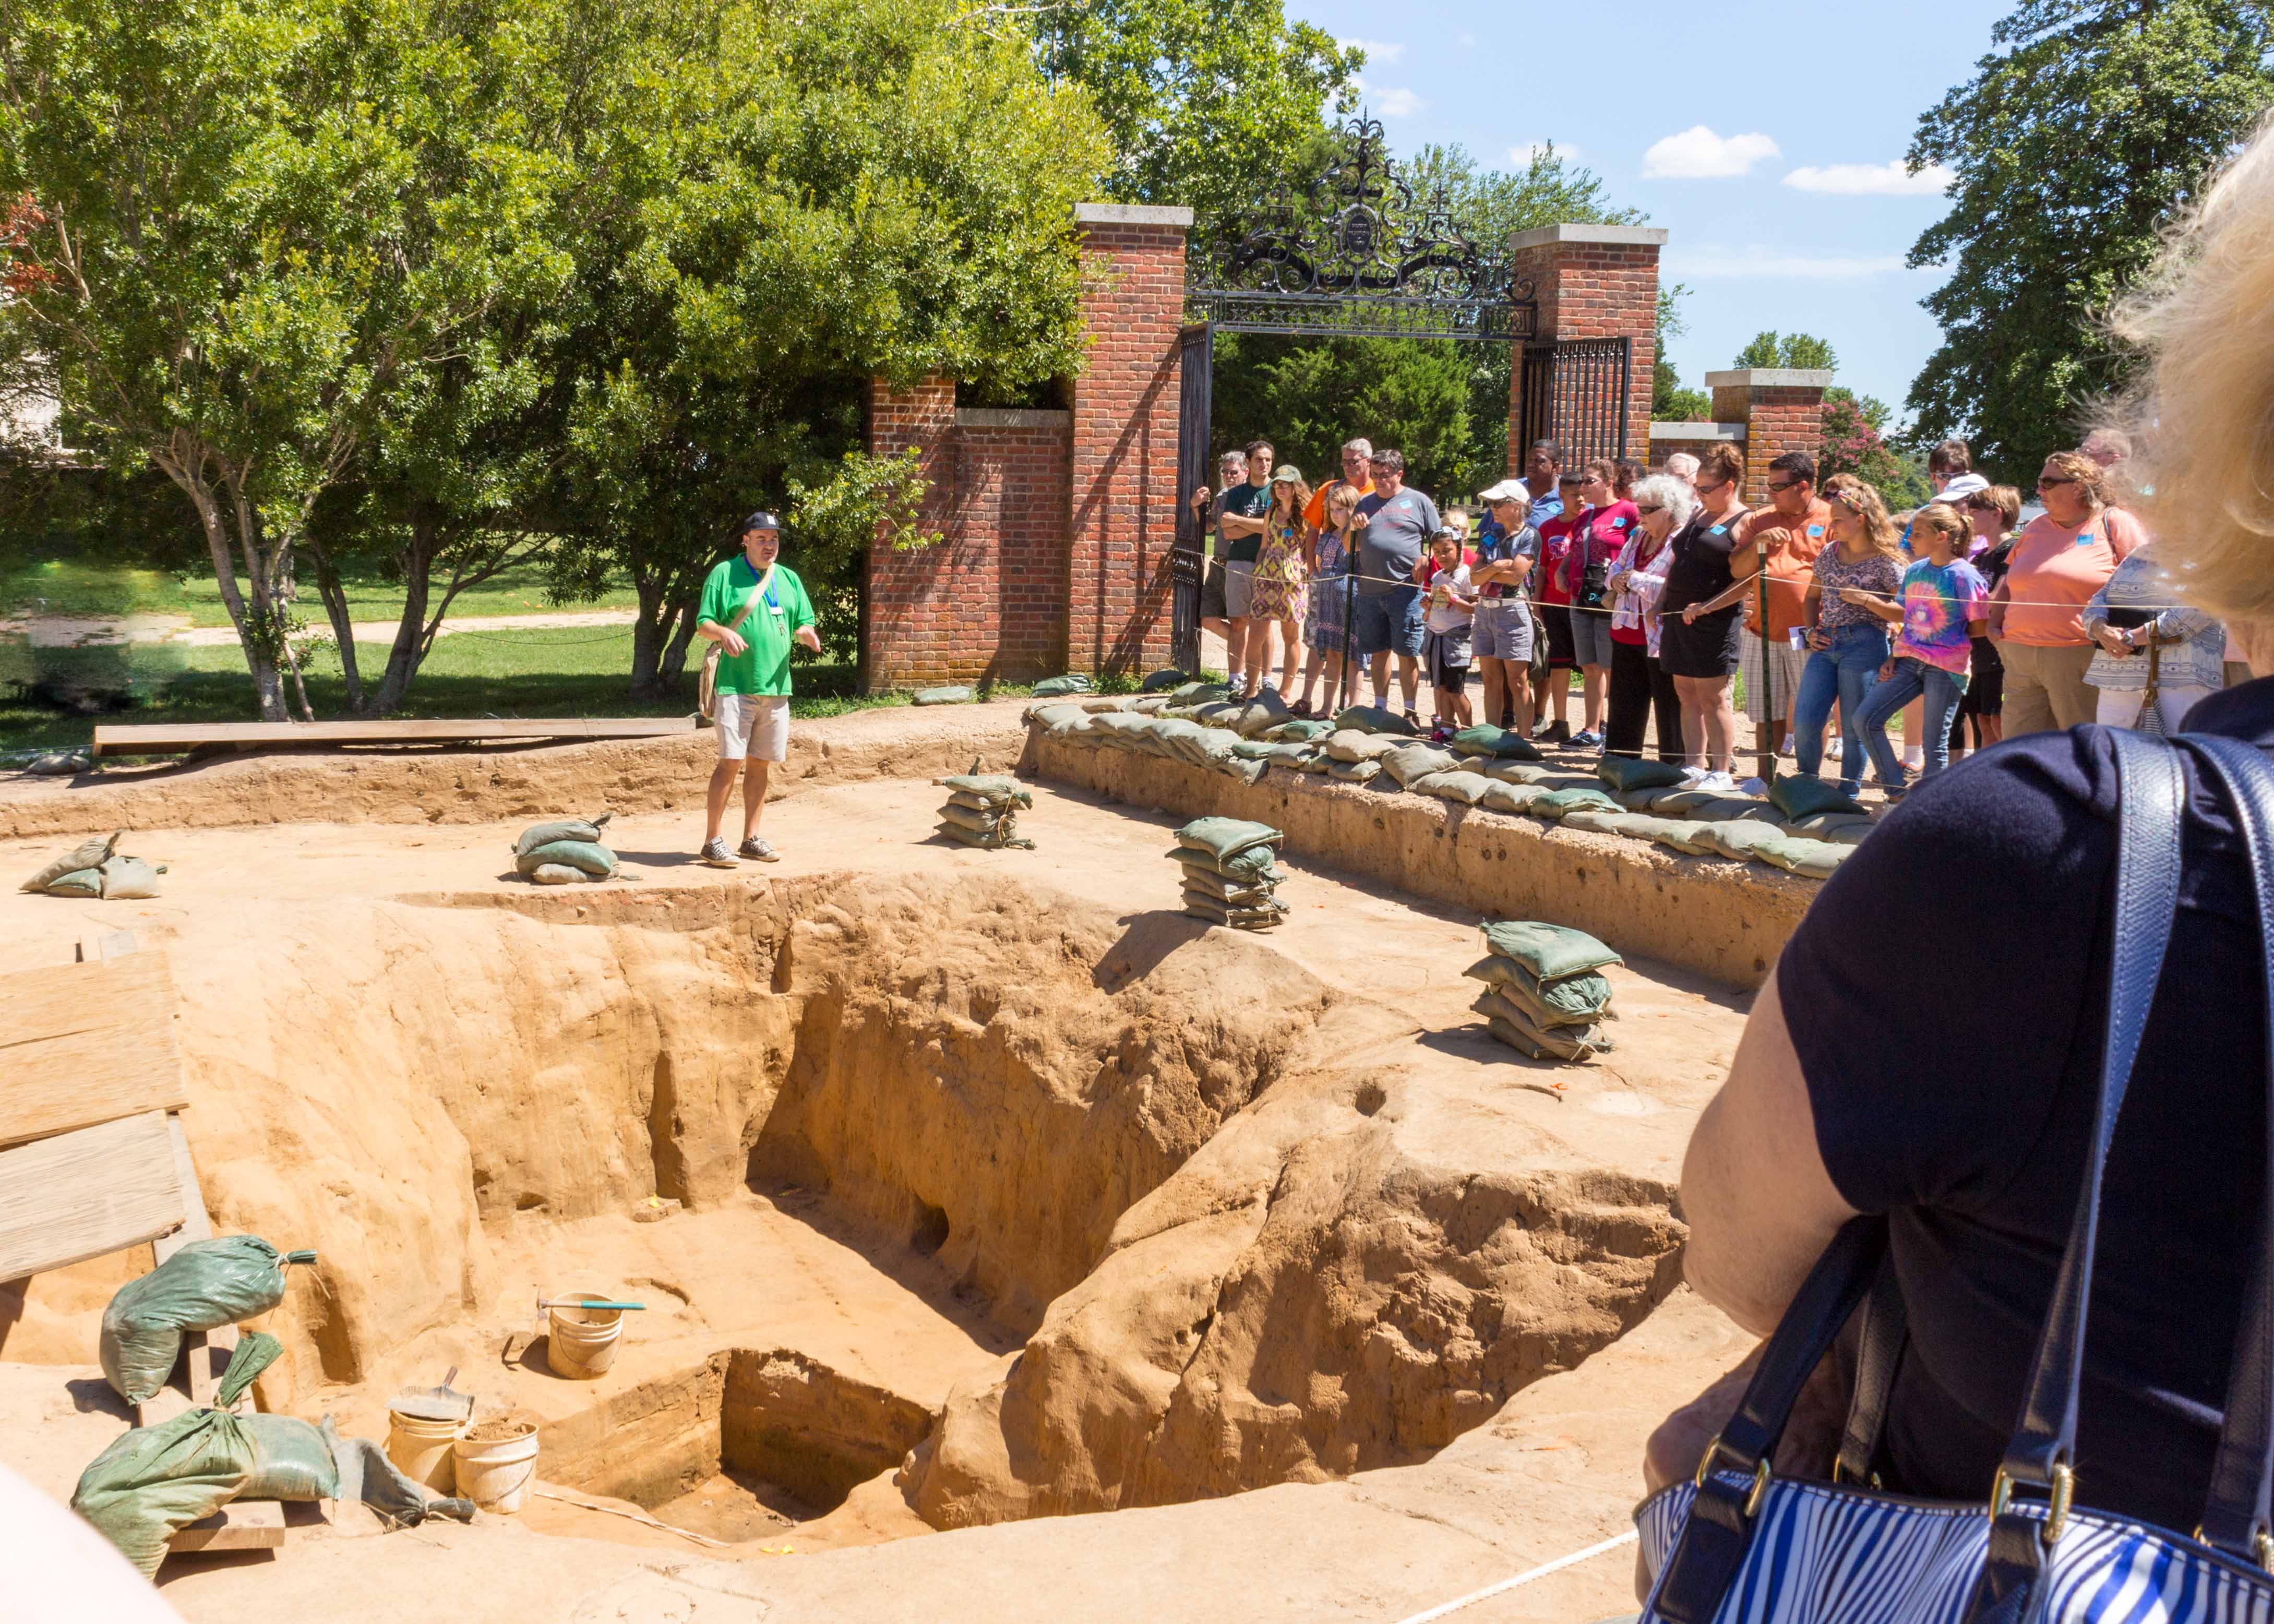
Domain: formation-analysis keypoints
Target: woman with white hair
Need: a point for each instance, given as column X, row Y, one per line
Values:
column 1848, row 1094
column 1642, row 688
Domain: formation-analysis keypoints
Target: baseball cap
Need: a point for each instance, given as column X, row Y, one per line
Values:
column 1287, row 473
column 1507, row 490
column 760, row 521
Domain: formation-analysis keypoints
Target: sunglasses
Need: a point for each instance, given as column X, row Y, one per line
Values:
column 1787, row 486
column 1974, row 507
column 2054, row 479
column 1654, row 507
column 1706, row 489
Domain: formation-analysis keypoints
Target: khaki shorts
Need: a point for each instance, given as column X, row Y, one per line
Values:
column 752, row 725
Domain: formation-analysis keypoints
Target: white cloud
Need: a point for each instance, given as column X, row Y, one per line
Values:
column 1762, row 259
column 1871, row 180
column 1698, row 154
column 1387, row 102
column 1376, row 50
column 1520, row 157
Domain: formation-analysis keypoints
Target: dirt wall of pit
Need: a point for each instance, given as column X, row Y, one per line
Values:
column 477, row 786
column 1727, row 920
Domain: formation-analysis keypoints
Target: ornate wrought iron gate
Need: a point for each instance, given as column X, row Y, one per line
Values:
column 1185, row 563
column 1575, row 391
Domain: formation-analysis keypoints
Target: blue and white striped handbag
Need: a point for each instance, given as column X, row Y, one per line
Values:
column 1740, row 1546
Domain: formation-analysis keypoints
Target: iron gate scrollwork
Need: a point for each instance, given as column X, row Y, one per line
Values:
column 1574, row 391
column 1186, row 563
column 1358, row 254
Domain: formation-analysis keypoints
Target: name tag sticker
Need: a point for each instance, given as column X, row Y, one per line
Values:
column 1815, row 531
column 1719, row 530
column 775, row 608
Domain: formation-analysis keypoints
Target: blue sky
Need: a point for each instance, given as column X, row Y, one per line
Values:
column 1759, row 133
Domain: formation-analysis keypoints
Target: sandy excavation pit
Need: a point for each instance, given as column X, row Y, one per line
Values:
column 1008, row 1193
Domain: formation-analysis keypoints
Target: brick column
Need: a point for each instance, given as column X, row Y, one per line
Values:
column 1591, row 281
column 1782, row 410
column 1123, row 522
column 905, row 638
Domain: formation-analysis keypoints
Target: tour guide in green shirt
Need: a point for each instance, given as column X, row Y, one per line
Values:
column 753, row 608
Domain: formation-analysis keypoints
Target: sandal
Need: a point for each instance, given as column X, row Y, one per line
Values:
column 1413, row 720
column 1300, row 710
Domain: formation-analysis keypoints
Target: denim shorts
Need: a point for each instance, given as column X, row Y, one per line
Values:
column 1504, row 630
column 1591, row 637
column 1390, row 622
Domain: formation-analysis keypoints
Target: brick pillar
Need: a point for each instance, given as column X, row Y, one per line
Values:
column 1782, row 410
column 903, row 640
column 1591, row 281
column 1125, row 410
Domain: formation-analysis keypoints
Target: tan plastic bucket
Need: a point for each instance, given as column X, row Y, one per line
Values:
column 583, row 1342
column 420, row 1448
column 495, row 1473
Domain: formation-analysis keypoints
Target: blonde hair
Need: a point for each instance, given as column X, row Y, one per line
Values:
column 1864, row 498
column 2201, row 422
column 1946, row 521
column 2090, row 478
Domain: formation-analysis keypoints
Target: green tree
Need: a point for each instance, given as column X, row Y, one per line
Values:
column 1800, row 351
column 1669, row 400
column 2075, row 144
column 1207, row 103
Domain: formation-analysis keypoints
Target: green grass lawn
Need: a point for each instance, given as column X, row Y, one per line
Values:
column 570, row 671
column 62, row 587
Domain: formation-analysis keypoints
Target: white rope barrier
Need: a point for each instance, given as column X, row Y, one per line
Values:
column 1445, row 1608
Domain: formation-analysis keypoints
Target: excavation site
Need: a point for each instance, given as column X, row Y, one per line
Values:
column 997, row 1239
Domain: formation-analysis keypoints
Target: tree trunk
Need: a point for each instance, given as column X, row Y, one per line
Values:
column 334, row 594
column 184, row 463
column 649, row 632
column 682, row 638
column 411, row 639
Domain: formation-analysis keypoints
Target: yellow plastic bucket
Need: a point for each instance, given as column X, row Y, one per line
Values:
column 582, row 1340
column 420, row 1448
column 495, row 1473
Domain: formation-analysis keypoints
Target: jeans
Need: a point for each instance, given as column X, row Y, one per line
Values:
column 1389, row 621
column 1845, row 671
column 1912, row 678
column 1638, row 688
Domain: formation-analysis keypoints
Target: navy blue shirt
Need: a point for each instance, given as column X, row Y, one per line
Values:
column 1947, row 996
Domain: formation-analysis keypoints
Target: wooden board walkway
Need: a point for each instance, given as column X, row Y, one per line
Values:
column 168, row 738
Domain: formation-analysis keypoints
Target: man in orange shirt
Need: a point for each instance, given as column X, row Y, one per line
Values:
column 1783, row 540
column 1357, row 473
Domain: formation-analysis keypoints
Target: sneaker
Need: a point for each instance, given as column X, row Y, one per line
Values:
column 1692, row 777
column 1588, row 740
column 1720, row 783
column 714, row 853
column 757, row 850
column 1552, row 732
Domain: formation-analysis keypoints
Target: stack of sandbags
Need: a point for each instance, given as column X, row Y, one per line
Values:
column 564, row 851
column 1545, row 995
column 98, row 869
column 982, row 810
column 1230, row 876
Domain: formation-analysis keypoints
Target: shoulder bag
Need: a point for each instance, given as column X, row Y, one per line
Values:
column 706, row 685
column 1737, row 1544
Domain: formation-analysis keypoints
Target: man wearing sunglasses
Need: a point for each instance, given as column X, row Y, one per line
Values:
column 1778, row 545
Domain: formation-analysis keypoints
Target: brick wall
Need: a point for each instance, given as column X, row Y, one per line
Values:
column 1782, row 410
column 1593, row 282
column 1666, row 439
column 1126, row 413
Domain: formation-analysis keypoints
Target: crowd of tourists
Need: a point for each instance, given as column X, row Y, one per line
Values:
column 1672, row 600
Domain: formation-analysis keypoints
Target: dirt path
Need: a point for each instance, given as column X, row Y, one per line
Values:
column 62, row 632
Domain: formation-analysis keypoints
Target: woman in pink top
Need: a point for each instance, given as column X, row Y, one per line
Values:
column 2058, row 561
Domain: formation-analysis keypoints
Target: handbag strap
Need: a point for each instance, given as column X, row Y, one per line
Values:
column 2150, row 789
column 2236, row 1510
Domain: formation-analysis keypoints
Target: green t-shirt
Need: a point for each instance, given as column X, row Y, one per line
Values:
column 763, row 667
column 1250, row 501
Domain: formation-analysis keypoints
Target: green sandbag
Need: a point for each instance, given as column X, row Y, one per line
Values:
column 1510, row 797
column 1346, row 744
column 1354, row 772
column 1245, row 771
column 156, row 1480
column 292, row 1459
column 1557, row 803
column 957, row 695
column 1596, row 821
column 975, row 803
column 1549, row 951
column 557, row 874
column 1468, row 788
column 1683, row 802
column 1167, row 677
column 90, row 854
column 1409, row 764
column 77, row 883
column 1494, row 743
column 1072, row 682
column 1064, row 721
column 1567, row 1043
column 1633, row 772
column 1574, row 1001
column 996, row 842
column 1685, row 834
column 1199, row 693
column 1319, row 763
column 1300, row 729
column 1199, row 906
column 1800, row 794
column 1817, row 826
column 203, row 1285
column 1814, row 858
column 1148, row 704
column 1722, row 809
column 584, row 829
column 986, row 820
column 1231, row 893
column 129, row 879
column 1370, row 720
column 1518, row 773
column 1741, row 837
column 1224, row 839
column 1252, row 866
column 1266, row 710
column 1850, row 833
column 990, row 787
column 593, row 858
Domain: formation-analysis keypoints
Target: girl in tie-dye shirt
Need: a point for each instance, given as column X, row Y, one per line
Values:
column 1942, row 609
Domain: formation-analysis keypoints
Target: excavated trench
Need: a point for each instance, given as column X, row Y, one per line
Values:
column 1131, row 1208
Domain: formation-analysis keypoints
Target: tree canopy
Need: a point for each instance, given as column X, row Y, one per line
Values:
column 1798, row 351
column 2075, row 144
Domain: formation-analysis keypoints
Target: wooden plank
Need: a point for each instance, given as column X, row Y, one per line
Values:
column 80, row 1195
column 85, row 1043
column 241, row 1525
column 97, row 945
column 150, row 738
